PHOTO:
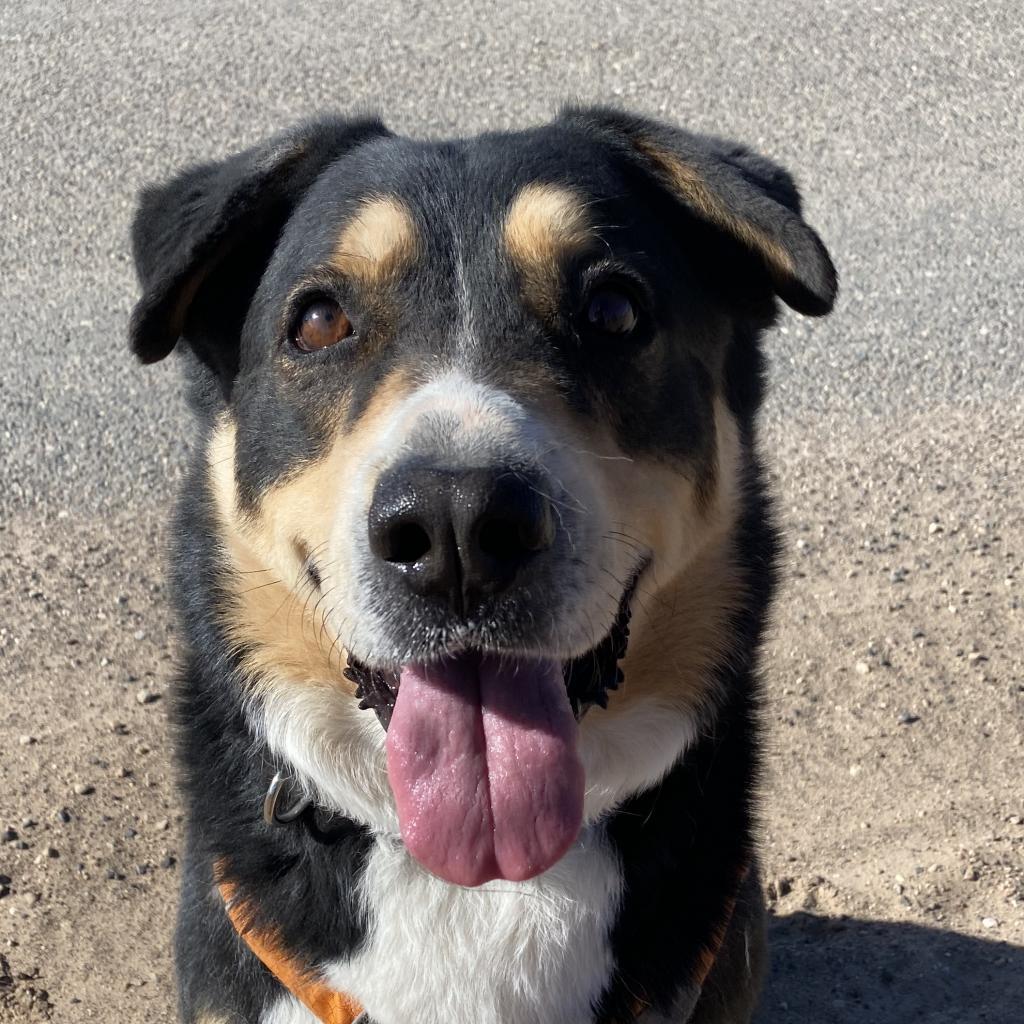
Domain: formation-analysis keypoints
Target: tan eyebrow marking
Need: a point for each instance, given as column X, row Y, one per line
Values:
column 378, row 242
column 545, row 224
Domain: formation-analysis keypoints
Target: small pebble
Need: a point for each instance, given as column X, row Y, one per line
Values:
column 26, row 740
column 989, row 922
column 63, row 816
column 168, row 861
column 971, row 875
column 162, row 825
column 8, row 835
column 147, row 697
column 84, row 788
column 862, row 668
column 908, row 718
column 934, row 528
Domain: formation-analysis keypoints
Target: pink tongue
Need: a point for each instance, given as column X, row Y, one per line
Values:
column 482, row 761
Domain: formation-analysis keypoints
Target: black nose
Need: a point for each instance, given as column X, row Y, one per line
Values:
column 459, row 536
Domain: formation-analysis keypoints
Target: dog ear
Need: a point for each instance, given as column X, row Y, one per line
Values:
column 737, row 193
column 202, row 240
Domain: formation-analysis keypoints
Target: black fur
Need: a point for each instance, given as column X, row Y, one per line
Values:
column 686, row 842
column 228, row 252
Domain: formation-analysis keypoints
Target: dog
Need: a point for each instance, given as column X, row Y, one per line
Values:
column 473, row 562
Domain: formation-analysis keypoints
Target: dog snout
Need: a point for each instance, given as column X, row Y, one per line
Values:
column 459, row 537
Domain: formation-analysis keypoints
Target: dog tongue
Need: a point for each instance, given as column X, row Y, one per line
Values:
column 483, row 764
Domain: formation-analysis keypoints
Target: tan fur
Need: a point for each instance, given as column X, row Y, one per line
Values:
column 687, row 181
column 377, row 243
column 680, row 628
column 545, row 224
column 681, row 632
column 275, row 614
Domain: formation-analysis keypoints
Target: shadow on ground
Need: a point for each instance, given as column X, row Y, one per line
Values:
column 848, row 971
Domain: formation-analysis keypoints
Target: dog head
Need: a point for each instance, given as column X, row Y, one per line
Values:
column 474, row 404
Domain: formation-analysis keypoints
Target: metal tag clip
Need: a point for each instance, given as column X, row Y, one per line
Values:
column 271, row 814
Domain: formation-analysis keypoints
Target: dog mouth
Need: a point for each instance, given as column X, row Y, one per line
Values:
column 588, row 677
column 482, row 752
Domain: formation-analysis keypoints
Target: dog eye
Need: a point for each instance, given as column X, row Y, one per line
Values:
column 610, row 311
column 323, row 323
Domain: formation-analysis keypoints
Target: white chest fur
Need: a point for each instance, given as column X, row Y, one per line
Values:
column 532, row 952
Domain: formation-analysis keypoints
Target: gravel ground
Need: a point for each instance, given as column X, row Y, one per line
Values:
column 894, row 806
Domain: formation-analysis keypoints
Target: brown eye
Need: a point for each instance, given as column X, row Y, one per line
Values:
column 611, row 311
column 323, row 323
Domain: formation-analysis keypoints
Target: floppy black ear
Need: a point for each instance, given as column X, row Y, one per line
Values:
column 202, row 240
column 733, row 190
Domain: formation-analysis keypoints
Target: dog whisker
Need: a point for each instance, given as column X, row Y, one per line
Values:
column 261, row 586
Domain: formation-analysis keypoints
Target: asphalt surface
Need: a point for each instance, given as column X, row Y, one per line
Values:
column 903, row 126
column 895, row 429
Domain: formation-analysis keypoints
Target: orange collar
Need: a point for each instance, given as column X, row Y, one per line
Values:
column 326, row 1004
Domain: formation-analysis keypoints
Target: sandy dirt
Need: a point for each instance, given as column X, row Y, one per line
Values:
column 894, row 812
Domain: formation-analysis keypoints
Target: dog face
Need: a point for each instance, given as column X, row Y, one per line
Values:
column 476, row 404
